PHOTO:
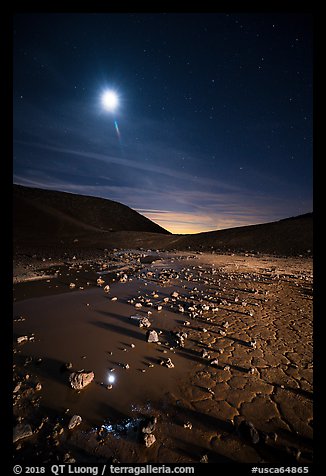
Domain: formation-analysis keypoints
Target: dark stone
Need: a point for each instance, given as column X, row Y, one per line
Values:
column 247, row 430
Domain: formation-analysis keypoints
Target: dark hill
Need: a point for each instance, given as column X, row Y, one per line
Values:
column 289, row 236
column 51, row 215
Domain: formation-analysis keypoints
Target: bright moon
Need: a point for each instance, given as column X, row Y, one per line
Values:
column 110, row 100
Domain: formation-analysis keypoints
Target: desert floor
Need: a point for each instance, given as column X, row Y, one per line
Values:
column 252, row 313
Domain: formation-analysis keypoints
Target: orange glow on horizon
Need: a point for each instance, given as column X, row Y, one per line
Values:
column 190, row 223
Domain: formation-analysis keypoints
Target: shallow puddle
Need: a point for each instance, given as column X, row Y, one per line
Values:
column 94, row 333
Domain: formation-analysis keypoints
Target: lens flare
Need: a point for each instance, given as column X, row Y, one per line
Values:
column 117, row 128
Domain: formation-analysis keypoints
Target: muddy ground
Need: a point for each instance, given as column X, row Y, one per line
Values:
column 246, row 357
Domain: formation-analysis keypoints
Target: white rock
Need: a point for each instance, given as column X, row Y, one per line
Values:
column 106, row 289
column 79, row 380
column 22, row 339
column 74, row 421
column 151, row 336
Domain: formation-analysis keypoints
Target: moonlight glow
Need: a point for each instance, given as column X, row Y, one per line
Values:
column 111, row 378
column 110, row 100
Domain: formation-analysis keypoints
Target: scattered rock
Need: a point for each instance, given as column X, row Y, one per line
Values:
column 79, row 380
column 205, row 354
column 151, row 336
column 22, row 339
column 204, row 459
column 68, row 459
column 149, row 439
column 106, row 289
column 22, row 430
column 74, row 421
column 126, row 366
column 246, row 429
column 187, row 425
column 175, row 294
column 167, row 363
column 142, row 321
column 253, row 343
column 213, row 362
column 148, row 424
column 72, row 285
column 38, row 387
column 17, row 387
column 100, row 281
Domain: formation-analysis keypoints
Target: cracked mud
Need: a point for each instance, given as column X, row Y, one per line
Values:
column 251, row 313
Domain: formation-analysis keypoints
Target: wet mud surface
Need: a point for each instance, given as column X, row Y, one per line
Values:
column 237, row 329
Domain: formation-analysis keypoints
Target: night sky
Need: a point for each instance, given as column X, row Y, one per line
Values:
column 214, row 123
